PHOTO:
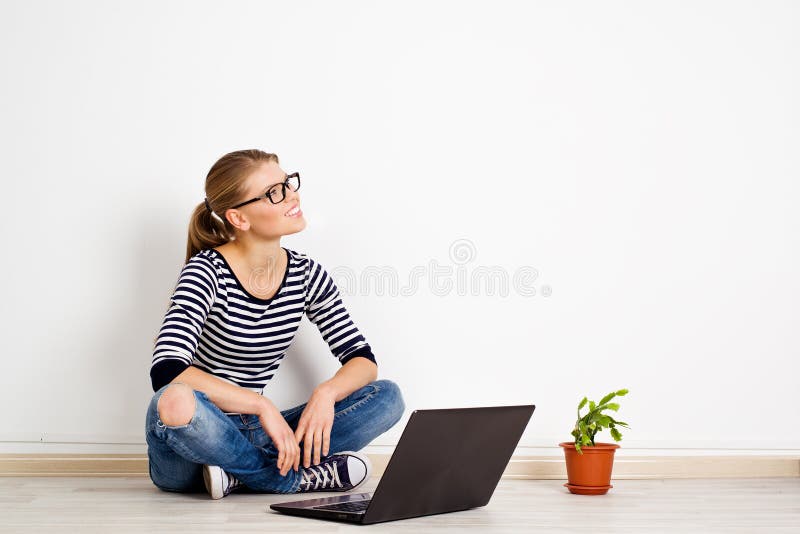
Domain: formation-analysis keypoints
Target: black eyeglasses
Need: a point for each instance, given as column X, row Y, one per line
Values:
column 277, row 192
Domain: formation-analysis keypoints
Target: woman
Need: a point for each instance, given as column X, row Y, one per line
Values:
column 235, row 310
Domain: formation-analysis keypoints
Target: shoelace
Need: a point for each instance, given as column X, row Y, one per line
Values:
column 232, row 483
column 321, row 479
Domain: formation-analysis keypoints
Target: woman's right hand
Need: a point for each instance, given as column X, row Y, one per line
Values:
column 282, row 437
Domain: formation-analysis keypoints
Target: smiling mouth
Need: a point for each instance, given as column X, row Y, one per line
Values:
column 294, row 212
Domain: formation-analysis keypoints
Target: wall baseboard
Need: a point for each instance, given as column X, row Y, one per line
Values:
column 532, row 467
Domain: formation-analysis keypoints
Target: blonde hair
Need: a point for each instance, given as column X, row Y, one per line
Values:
column 225, row 186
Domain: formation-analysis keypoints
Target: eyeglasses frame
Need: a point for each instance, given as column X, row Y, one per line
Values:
column 283, row 184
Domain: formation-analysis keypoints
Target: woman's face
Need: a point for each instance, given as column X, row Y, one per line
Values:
column 264, row 218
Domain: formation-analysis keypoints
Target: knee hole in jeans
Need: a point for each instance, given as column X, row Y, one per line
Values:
column 177, row 404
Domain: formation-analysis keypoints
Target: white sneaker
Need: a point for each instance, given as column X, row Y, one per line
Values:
column 218, row 482
column 341, row 471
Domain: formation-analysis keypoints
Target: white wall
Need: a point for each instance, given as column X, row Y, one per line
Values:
column 641, row 156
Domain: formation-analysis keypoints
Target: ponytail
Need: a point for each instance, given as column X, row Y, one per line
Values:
column 206, row 230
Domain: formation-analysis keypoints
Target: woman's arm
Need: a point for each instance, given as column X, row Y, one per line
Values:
column 228, row 397
column 324, row 307
column 316, row 421
column 354, row 374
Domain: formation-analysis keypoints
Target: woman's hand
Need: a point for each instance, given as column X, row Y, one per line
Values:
column 315, row 424
column 280, row 432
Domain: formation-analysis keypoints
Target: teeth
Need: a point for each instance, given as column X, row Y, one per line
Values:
column 293, row 211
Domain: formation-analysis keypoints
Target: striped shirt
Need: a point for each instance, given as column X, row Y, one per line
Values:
column 215, row 324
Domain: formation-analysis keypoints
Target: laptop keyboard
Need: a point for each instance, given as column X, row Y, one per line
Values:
column 352, row 506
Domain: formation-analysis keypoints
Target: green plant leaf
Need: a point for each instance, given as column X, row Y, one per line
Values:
column 592, row 406
column 616, row 435
column 615, row 423
column 620, row 423
column 604, row 420
column 583, row 403
column 607, row 398
column 622, row 392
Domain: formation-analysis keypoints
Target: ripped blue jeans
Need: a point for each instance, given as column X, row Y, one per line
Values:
column 238, row 444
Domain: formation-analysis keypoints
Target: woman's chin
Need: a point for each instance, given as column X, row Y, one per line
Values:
column 297, row 226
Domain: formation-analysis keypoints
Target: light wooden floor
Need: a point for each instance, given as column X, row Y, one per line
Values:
column 134, row 504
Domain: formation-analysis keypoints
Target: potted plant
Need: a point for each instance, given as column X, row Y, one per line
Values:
column 589, row 463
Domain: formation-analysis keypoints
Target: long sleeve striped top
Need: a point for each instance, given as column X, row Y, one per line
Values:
column 215, row 324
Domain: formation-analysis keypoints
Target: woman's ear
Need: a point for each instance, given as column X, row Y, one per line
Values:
column 237, row 219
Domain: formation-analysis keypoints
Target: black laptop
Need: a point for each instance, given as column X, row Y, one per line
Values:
column 446, row 460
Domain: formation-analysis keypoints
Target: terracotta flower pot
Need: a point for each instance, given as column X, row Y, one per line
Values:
column 589, row 473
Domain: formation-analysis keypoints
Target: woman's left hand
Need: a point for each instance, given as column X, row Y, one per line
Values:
column 314, row 426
